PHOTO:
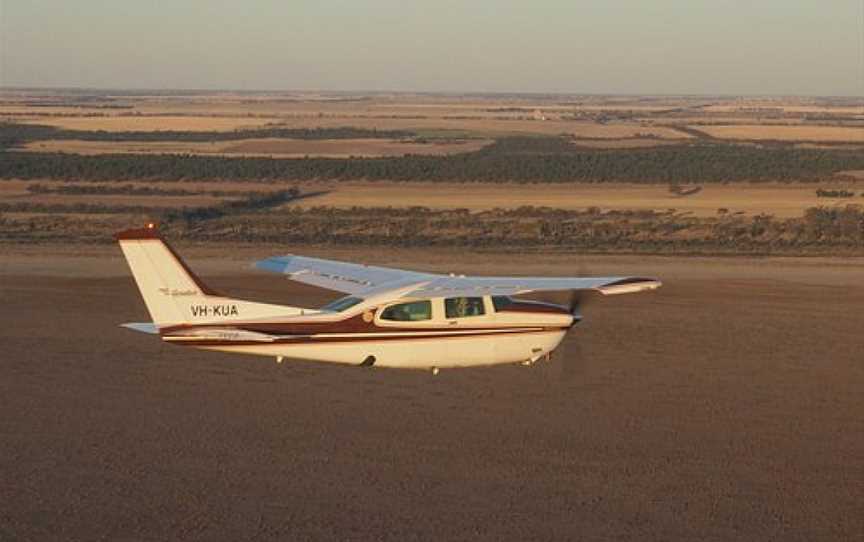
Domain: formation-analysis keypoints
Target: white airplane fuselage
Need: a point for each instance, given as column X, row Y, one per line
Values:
column 520, row 332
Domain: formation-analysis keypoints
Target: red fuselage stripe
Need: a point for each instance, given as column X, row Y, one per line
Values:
column 360, row 337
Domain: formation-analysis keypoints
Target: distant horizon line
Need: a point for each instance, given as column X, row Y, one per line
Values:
column 178, row 90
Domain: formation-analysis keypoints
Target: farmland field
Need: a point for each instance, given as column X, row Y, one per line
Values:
column 482, row 127
column 788, row 133
column 591, row 173
column 118, row 123
column 779, row 200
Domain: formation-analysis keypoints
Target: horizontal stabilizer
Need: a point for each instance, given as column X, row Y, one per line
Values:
column 143, row 327
column 219, row 334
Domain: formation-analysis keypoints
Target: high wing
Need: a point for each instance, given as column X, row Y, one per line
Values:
column 350, row 278
column 467, row 286
column 358, row 279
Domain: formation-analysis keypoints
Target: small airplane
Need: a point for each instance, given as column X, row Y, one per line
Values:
column 388, row 317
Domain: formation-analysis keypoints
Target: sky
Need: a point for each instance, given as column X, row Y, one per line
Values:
column 755, row 47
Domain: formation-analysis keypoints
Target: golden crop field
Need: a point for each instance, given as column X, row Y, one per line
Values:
column 123, row 123
column 787, row 133
column 751, row 199
column 482, row 127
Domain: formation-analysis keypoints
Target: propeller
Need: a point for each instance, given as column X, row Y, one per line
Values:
column 577, row 302
column 573, row 357
column 573, row 363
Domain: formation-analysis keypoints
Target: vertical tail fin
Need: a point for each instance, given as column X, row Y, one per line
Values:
column 174, row 294
column 162, row 277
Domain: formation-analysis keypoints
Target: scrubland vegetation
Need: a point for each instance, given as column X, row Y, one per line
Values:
column 16, row 134
column 255, row 219
column 561, row 142
column 823, row 193
column 514, row 159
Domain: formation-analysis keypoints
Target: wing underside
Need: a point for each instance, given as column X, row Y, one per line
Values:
column 361, row 280
column 349, row 278
column 459, row 286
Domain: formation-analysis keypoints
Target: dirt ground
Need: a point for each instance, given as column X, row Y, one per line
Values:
column 781, row 200
column 280, row 148
column 727, row 406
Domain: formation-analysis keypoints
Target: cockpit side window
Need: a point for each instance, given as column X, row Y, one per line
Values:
column 342, row 304
column 416, row 311
column 501, row 302
column 461, row 307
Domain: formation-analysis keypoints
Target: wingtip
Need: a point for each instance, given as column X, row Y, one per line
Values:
column 630, row 285
column 274, row 264
column 270, row 264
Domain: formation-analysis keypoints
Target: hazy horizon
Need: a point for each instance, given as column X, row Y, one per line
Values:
column 624, row 47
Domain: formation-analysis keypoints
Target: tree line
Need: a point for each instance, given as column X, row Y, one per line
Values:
column 512, row 159
column 252, row 202
column 12, row 134
column 84, row 189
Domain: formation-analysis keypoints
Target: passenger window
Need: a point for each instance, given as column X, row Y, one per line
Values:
column 460, row 307
column 408, row 312
column 501, row 301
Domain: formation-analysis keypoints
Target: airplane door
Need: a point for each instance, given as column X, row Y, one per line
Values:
column 469, row 317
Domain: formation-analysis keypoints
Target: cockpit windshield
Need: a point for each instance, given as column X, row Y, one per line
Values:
column 342, row 304
column 501, row 302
